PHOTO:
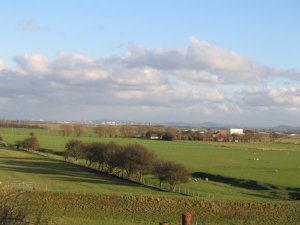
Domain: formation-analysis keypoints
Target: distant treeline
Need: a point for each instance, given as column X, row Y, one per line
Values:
column 168, row 133
column 21, row 124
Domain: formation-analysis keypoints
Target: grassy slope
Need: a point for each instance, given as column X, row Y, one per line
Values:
column 52, row 175
column 274, row 175
column 76, row 196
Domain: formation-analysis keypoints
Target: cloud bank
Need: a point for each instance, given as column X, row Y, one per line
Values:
column 194, row 84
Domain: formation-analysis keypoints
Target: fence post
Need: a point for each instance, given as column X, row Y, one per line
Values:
column 163, row 223
column 186, row 218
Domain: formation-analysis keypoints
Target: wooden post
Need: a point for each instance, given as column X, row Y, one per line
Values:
column 186, row 218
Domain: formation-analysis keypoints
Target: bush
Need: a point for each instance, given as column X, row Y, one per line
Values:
column 3, row 144
column 14, row 211
column 30, row 143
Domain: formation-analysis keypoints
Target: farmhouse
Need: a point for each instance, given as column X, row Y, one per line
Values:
column 236, row 131
column 220, row 136
column 153, row 136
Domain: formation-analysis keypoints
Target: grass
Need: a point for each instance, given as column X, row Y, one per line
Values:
column 77, row 196
column 104, row 209
column 18, row 167
column 239, row 190
column 231, row 168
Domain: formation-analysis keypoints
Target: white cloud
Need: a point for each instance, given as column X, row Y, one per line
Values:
column 285, row 96
column 33, row 64
column 202, row 79
column 227, row 64
column 194, row 76
column 223, row 107
column 208, row 111
column 2, row 65
column 127, row 95
column 55, row 85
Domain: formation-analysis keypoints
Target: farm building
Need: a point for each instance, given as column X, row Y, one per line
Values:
column 220, row 136
column 236, row 131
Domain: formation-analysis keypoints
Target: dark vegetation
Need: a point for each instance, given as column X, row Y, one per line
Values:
column 21, row 124
column 171, row 173
column 29, row 143
column 172, row 133
column 2, row 142
column 132, row 161
column 14, row 211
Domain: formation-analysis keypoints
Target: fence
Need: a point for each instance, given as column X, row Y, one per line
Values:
column 183, row 190
column 25, row 185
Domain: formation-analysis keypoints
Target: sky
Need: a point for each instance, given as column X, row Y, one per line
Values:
column 193, row 61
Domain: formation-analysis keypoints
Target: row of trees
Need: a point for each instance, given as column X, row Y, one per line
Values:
column 133, row 161
column 166, row 133
column 68, row 129
column 112, row 131
column 21, row 124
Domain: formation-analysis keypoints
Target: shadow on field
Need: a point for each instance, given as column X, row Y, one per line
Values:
column 61, row 171
column 294, row 193
column 248, row 184
column 45, row 150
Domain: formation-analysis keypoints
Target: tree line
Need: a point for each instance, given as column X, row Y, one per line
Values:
column 21, row 124
column 166, row 133
column 132, row 161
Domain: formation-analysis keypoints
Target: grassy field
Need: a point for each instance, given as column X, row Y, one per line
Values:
column 236, row 171
column 68, row 194
column 248, row 183
column 19, row 168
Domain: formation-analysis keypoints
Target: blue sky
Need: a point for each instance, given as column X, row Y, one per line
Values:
column 189, row 61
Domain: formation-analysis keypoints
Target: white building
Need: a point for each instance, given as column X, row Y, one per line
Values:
column 236, row 131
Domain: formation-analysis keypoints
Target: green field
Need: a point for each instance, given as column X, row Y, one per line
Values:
column 231, row 168
column 246, row 181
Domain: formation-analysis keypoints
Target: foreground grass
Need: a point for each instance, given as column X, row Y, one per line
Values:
column 77, row 209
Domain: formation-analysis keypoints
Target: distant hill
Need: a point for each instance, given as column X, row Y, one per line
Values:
column 287, row 128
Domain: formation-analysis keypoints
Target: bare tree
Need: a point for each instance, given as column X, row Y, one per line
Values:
column 111, row 131
column 101, row 130
column 127, row 131
column 30, row 143
column 142, row 130
column 73, row 149
column 78, row 129
column 66, row 129
column 111, row 156
column 172, row 173
column 138, row 159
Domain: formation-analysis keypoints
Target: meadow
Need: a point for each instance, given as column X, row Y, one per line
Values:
column 246, row 182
